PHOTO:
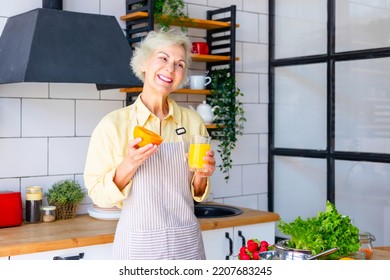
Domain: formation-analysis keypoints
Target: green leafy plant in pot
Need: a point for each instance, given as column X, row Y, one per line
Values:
column 167, row 12
column 66, row 195
column 229, row 114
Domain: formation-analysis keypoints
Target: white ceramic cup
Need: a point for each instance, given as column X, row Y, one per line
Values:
column 199, row 81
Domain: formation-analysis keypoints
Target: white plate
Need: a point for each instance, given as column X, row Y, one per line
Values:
column 103, row 215
column 105, row 209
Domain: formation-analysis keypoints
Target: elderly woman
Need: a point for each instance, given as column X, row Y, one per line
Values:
column 152, row 184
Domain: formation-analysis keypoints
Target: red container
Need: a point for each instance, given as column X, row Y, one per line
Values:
column 11, row 213
column 200, row 48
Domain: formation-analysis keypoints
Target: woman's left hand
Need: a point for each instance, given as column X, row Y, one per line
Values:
column 209, row 167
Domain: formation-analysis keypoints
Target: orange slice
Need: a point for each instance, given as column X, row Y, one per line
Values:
column 147, row 136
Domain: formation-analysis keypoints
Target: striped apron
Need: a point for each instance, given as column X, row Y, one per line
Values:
column 157, row 219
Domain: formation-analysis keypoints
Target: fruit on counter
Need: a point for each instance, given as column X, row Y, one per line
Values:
column 253, row 249
column 329, row 229
column 147, row 136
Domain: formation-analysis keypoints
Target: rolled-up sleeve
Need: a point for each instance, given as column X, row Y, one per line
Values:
column 205, row 194
column 105, row 153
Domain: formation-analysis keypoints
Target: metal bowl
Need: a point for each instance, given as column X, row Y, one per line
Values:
column 291, row 253
column 282, row 246
column 271, row 255
column 283, row 255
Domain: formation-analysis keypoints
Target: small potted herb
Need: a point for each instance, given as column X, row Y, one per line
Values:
column 66, row 195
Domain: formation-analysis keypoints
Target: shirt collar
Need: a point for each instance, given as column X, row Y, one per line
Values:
column 142, row 112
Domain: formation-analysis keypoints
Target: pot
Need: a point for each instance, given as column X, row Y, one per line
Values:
column 200, row 48
column 283, row 255
column 292, row 255
column 206, row 112
column 282, row 246
column 287, row 253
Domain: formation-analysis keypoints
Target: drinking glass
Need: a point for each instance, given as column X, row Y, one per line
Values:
column 199, row 145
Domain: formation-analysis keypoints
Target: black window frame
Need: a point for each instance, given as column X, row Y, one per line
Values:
column 330, row 58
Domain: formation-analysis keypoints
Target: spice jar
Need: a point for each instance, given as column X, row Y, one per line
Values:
column 34, row 197
column 366, row 240
column 48, row 213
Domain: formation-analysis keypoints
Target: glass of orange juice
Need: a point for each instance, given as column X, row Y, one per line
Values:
column 199, row 145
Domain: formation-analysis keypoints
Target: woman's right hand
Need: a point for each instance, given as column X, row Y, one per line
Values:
column 135, row 157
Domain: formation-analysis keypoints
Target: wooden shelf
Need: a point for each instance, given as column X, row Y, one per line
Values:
column 211, row 126
column 210, row 58
column 183, row 90
column 185, row 22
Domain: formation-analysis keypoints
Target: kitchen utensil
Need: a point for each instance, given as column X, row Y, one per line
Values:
column 293, row 255
column 283, row 255
column 282, row 246
column 10, row 209
column 199, row 81
column 366, row 239
column 99, row 215
column 206, row 111
column 272, row 255
column 323, row 254
column 200, row 48
column 199, row 145
column 34, row 196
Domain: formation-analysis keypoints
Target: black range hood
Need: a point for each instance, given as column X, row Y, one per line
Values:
column 56, row 46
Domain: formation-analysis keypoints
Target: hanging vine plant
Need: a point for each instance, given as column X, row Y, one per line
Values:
column 230, row 115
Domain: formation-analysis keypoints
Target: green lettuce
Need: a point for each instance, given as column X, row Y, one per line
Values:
column 326, row 231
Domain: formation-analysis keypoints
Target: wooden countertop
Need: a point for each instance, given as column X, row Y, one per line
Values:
column 86, row 231
column 381, row 253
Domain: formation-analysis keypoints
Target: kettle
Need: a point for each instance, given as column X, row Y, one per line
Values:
column 206, row 112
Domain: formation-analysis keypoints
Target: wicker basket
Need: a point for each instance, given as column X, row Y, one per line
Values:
column 66, row 211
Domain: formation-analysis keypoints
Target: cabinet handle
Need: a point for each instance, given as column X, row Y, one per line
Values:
column 230, row 246
column 77, row 257
column 242, row 237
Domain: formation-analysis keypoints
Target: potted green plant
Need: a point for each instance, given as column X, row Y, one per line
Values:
column 167, row 12
column 229, row 113
column 66, row 195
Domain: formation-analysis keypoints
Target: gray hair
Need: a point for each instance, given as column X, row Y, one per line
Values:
column 158, row 39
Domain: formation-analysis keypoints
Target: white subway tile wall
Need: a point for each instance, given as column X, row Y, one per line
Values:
column 10, row 117
column 45, row 128
column 47, row 117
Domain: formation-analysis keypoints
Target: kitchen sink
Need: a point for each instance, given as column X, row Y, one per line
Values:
column 216, row 211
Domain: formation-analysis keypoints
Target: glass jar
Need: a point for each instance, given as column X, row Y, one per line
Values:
column 34, row 197
column 48, row 213
column 366, row 240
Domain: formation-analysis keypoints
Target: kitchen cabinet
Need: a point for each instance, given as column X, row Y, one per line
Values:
column 94, row 237
column 220, row 27
column 225, row 243
column 94, row 252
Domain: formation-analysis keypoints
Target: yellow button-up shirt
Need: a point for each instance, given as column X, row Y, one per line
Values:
column 109, row 144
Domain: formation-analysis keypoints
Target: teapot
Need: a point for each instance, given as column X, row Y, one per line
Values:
column 206, row 112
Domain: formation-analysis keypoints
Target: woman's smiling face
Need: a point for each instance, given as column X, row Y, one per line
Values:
column 165, row 69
